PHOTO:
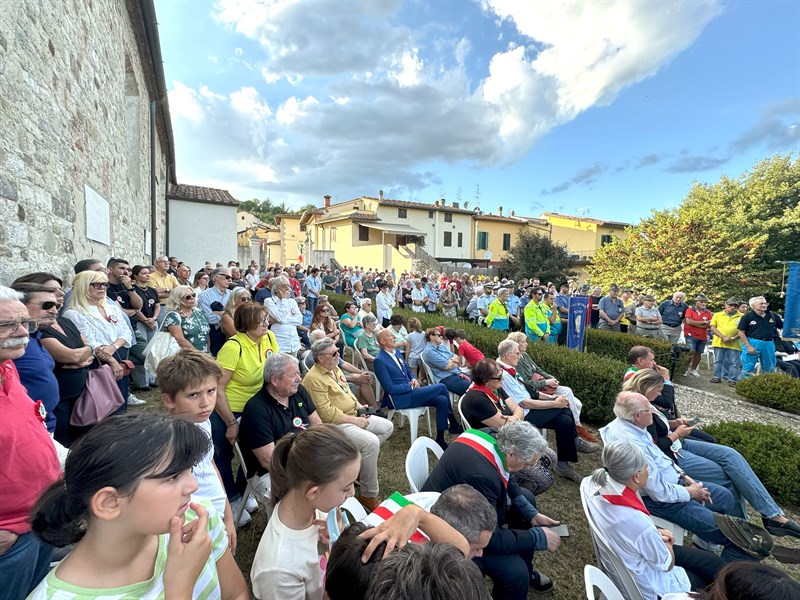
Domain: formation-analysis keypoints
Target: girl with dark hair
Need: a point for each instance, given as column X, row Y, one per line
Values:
column 311, row 472
column 125, row 501
column 746, row 580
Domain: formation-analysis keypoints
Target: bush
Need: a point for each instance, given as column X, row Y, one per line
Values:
column 616, row 345
column 775, row 390
column 596, row 380
column 773, row 452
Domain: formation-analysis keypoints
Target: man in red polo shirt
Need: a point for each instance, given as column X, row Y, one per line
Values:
column 696, row 322
column 29, row 462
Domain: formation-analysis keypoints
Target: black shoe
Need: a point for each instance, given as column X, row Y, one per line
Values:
column 455, row 427
column 442, row 444
column 791, row 528
column 541, row 583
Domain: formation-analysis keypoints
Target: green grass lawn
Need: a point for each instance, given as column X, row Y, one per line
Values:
column 562, row 501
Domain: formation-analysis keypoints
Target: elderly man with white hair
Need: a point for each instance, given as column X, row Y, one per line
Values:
column 30, row 463
column 285, row 315
column 485, row 463
column 758, row 330
column 673, row 312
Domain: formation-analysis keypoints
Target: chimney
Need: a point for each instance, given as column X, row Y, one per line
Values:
column 511, row 213
column 466, row 205
column 499, row 211
column 455, row 204
column 327, row 200
column 380, row 195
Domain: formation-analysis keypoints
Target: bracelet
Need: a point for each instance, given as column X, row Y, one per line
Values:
column 230, row 424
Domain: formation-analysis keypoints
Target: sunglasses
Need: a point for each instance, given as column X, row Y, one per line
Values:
column 225, row 276
column 47, row 305
column 189, row 296
column 99, row 285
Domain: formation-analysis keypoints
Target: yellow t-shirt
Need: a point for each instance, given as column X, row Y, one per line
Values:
column 246, row 359
column 727, row 326
column 166, row 281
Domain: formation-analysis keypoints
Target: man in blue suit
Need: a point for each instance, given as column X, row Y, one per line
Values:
column 398, row 381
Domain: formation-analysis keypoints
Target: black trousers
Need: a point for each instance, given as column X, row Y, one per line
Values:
column 510, row 573
column 701, row 566
column 561, row 421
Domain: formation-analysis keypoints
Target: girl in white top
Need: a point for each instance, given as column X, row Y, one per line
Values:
column 125, row 501
column 311, row 472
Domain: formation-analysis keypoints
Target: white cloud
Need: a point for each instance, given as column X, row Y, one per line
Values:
column 407, row 68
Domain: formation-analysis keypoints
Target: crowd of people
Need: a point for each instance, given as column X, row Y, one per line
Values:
column 260, row 363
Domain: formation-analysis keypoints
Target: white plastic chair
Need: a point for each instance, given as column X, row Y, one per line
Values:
column 361, row 363
column 464, row 423
column 595, row 578
column 417, row 469
column 609, row 562
column 355, row 508
column 346, row 345
column 413, row 415
column 429, row 375
column 257, row 486
column 709, row 354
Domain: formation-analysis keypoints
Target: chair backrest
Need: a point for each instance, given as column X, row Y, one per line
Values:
column 417, row 461
column 609, row 562
column 595, row 578
column 238, row 451
column 355, row 507
column 428, row 372
column 464, row 422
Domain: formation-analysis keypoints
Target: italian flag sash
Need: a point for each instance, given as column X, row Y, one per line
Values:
column 387, row 509
column 486, row 446
column 621, row 495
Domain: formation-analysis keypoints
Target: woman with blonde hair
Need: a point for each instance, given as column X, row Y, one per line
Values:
column 104, row 326
column 704, row 461
column 238, row 297
column 184, row 321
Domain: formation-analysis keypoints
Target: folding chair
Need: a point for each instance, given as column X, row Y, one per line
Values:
column 417, row 469
column 257, row 486
column 595, row 578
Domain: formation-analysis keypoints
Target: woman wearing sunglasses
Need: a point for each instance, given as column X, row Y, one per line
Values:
column 238, row 297
column 184, row 321
column 103, row 324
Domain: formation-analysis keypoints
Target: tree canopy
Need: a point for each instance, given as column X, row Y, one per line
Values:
column 266, row 210
column 723, row 240
column 537, row 256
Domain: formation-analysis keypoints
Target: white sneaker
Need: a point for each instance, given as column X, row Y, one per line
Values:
column 686, row 374
column 245, row 518
column 251, row 505
column 134, row 401
column 695, row 373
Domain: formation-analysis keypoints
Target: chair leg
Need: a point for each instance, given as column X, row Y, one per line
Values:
column 428, row 414
column 413, row 424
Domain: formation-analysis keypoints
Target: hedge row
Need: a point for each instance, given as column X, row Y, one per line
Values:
column 775, row 390
column 773, row 452
column 617, row 345
column 596, row 380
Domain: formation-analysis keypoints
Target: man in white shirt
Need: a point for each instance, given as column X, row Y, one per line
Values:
column 669, row 493
column 419, row 297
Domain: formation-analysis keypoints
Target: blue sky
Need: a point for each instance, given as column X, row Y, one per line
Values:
column 608, row 109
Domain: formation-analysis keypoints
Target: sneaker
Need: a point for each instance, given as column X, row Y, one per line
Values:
column 695, row 373
column 567, row 473
column 245, row 518
column 251, row 505
column 134, row 401
column 541, row 583
column 586, row 447
column 686, row 374
column 716, row 380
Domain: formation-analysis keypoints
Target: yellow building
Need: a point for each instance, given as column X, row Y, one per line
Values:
column 292, row 238
column 496, row 234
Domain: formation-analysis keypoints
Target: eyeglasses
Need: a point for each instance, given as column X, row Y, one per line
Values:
column 7, row 327
column 498, row 378
column 189, row 296
column 47, row 305
column 99, row 285
column 334, row 353
column 264, row 322
column 436, row 335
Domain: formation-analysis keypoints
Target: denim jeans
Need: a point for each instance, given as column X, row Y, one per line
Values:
column 23, row 566
column 726, row 467
column 765, row 352
column 727, row 363
column 698, row 519
column 223, row 457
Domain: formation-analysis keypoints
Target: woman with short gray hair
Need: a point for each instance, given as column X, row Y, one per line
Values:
column 657, row 565
column 285, row 316
column 367, row 343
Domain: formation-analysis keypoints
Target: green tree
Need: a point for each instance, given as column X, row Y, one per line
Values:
column 537, row 256
column 723, row 240
column 266, row 210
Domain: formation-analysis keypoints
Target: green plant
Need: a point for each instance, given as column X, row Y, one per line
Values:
column 616, row 345
column 775, row 390
column 773, row 452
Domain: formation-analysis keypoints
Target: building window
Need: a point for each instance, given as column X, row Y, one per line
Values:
column 483, row 240
column 402, row 213
column 506, row 242
column 303, row 227
column 460, row 240
column 363, row 233
column 448, row 238
column 430, row 214
column 448, row 217
column 606, row 239
column 333, row 234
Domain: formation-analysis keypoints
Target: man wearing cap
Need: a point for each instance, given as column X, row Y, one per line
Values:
column 672, row 313
column 696, row 322
column 648, row 319
column 610, row 310
column 758, row 330
column 726, row 343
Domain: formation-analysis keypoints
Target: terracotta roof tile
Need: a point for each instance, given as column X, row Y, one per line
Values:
column 198, row 193
column 423, row 206
column 586, row 219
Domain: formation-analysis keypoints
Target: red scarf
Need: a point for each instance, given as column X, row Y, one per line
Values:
column 510, row 370
column 628, row 498
column 485, row 390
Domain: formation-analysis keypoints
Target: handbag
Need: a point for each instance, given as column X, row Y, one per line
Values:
column 547, row 390
column 99, row 398
column 160, row 347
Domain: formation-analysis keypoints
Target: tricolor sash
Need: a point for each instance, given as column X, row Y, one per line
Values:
column 486, row 446
column 389, row 508
column 621, row 495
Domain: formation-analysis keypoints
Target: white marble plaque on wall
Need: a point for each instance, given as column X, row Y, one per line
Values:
column 98, row 217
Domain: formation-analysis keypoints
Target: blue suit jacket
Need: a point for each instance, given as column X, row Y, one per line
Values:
column 394, row 381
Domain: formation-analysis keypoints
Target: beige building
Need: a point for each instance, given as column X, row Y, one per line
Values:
column 496, row 234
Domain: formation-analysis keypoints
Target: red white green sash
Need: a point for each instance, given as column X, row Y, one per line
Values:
column 487, row 447
column 388, row 508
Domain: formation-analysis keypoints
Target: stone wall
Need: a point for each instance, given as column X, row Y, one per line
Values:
column 75, row 112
